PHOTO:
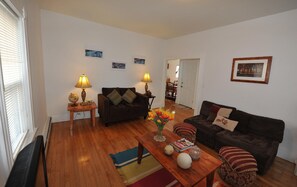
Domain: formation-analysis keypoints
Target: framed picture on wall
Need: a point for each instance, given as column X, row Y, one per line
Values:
column 93, row 53
column 251, row 69
column 118, row 65
column 139, row 61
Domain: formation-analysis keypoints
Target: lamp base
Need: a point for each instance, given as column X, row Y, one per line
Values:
column 83, row 95
column 146, row 87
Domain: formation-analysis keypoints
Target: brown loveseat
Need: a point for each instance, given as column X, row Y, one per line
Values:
column 258, row 135
column 110, row 113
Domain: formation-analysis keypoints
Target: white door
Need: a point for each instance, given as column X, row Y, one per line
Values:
column 187, row 82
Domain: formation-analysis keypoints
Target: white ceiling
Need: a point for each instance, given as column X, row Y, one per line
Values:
column 168, row 18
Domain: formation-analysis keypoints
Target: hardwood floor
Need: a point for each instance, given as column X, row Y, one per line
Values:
column 83, row 159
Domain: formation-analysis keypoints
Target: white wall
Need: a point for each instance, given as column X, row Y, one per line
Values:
column 33, row 25
column 65, row 39
column 274, row 35
column 172, row 69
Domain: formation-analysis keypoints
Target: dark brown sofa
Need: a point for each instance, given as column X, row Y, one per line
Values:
column 110, row 113
column 259, row 135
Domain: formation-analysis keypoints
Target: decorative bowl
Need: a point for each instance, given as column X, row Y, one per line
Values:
column 195, row 153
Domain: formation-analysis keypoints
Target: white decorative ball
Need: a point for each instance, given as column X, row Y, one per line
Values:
column 184, row 160
column 168, row 149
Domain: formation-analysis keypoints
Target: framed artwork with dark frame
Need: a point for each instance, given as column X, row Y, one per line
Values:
column 93, row 53
column 139, row 61
column 251, row 69
column 118, row 65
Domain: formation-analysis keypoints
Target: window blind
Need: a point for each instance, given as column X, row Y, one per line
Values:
column 12, row 69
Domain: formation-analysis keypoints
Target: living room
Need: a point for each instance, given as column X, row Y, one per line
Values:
column 57, row 44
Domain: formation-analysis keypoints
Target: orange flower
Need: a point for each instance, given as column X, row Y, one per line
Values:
column 160, row 116
column 158, row 112
column 165, row 116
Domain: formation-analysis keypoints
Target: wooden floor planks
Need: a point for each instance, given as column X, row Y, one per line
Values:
column 83, row 158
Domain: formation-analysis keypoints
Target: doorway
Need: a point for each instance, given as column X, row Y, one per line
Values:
column 172, row 75
column 181, row 81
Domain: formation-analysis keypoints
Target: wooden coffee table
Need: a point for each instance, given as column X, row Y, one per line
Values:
column 201, row 168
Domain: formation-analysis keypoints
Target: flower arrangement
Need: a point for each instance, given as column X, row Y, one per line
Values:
column 160, row 117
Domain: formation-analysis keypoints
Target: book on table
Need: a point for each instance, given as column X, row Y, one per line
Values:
column 181, row 145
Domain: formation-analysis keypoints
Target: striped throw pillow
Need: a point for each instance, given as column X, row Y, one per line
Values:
column 238, row 159
column 185, row 130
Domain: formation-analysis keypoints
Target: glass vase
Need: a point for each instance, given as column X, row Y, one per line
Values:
column 159, row 136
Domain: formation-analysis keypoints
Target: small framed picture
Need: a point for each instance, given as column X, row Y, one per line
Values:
column 139, row 61
column 118, row 65
column 251, row 69
column 93, row 53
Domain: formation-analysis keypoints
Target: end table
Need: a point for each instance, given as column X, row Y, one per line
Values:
column 81, row 108
column 150, row 103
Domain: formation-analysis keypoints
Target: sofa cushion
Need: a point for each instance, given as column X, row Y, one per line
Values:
column 261, row 148
column 213, row 112
column 204, row 125
column 206, row 107
column 129, row 96
column 225, row 123
column 115, row 97
column 245, row 141
column 243, row 119
column 205, row 130
column 122, row 91
column 106, row 91
column 267, row 127
column 135, row 106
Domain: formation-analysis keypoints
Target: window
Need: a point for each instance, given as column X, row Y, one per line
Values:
column 15, row 97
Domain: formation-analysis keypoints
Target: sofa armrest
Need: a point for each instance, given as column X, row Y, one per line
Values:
column 103, row 107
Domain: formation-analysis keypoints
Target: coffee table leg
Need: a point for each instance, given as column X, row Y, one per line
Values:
column 140, row 152
column 209, row 179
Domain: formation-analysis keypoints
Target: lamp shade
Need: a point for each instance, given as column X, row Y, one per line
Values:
column 146, row 78
column 83, row 82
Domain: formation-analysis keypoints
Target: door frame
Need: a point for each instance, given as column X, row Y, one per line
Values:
column 181, row 62
column 198, row 82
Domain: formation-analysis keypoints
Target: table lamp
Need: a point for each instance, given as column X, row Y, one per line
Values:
column 83, row 82
column 146, row 79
